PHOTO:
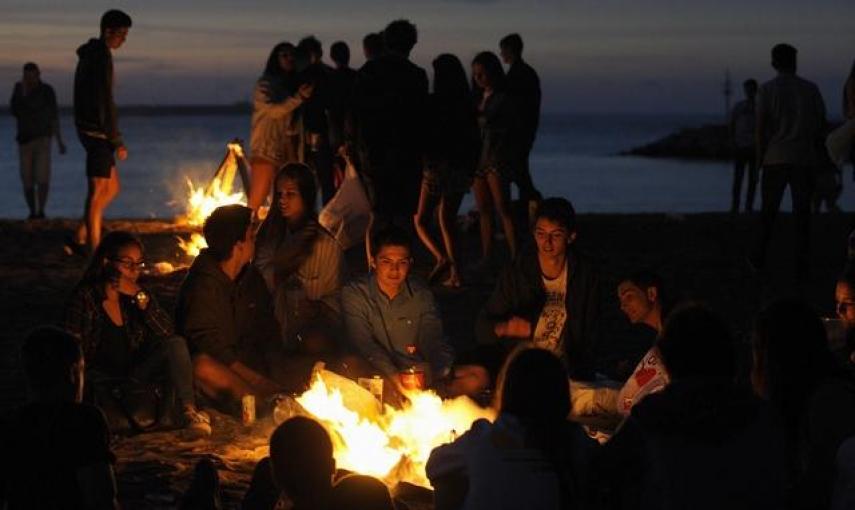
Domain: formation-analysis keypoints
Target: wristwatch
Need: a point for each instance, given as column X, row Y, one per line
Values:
column 141, row 299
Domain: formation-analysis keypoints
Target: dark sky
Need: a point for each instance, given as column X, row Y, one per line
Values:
column 593, row 55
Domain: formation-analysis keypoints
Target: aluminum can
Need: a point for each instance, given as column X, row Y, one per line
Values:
column 412, row 378
column 247, row 409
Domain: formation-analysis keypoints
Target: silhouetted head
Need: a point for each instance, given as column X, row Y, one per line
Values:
column 115, row 25
column 295, row 193
column 791, row 357
column 312, row 48
column 120, row 255
column 282, row 59
column 641, row 295
column 400, row 36
column 301, row 459
column 230, row 234
column 360, row 492
column 373, row 45
column 696, row 342
column 511, row 48
column 31, row 74
column 391, row 254
column 554, row 227
column 340, row 53
column 533, row 388
column 844, row 298
column 449, row 78
column 784, row 58
column 750, row 88
column 53, row 365
column 487, row 71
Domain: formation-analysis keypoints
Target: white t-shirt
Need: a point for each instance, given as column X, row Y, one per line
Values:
column 547, row 333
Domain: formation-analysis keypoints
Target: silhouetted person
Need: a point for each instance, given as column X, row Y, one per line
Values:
column 790, row 124
column 523, row 85
column 97, row 123
column 342, row 82
column 742, row 131
column 276, row 138
column 796, row 372
column 849, row 94
column 360, row 492
column 56, row 450
column 34, row 106
column 451, row 156
column 373, row 46
column 548, row 298
column 530, row 457
column 316, row 113
column 704, row 441
column 389, row 113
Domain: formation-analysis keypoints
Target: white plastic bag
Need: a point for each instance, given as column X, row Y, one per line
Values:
column 840, row 142
column 347, row 214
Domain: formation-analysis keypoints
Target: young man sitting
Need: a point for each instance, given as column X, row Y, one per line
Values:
column 392, row 321
column 56, row 450
column 225, row 312
column 640, row 296
column 548, row 299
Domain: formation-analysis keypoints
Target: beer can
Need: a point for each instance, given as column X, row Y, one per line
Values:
column 412, row 378
column 248, row 409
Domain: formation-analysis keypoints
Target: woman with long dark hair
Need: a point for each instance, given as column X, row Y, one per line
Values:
column 531, row 456
column 299, row 259
column 123, row 331
column 795, row 370
column 500, row 152
column 452, row 154
column 276, row 137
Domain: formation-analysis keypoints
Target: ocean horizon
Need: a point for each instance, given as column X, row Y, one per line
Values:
column 575, row 156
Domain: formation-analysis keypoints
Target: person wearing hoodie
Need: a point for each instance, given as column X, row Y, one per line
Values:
column 703, row 441
column 97, row 124
column 226, row 314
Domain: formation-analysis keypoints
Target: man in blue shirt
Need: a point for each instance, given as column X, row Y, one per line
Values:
column 393, row 322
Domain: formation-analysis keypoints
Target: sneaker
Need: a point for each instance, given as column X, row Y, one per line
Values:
column 196, row 423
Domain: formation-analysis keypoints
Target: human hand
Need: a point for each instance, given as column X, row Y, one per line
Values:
column 128, row 287
column 306, row 90
column 515, row 327
column 122, row 153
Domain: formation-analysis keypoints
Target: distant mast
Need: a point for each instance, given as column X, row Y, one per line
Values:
column 727, row 90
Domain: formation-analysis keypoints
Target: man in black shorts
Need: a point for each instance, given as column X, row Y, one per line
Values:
column 97, row 123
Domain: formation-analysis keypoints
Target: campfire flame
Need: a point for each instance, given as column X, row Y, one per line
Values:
column 393, row 446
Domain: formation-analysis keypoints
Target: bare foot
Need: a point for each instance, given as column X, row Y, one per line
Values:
column 438, row 269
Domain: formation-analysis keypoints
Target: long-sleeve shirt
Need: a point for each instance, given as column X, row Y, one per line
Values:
column 36, row 112
column 395, row 334
column 276, row 123
column 94, row 107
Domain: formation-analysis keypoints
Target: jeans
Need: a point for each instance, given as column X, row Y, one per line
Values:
column 168, row 358
column 774, row 182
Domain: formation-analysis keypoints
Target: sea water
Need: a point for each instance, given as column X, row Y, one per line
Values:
column 575, row 156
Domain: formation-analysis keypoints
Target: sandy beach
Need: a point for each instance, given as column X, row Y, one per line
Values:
column 701, row 257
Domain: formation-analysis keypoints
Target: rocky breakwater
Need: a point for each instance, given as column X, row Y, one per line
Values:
column 709, row 142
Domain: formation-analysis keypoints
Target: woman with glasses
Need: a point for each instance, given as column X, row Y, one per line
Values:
column 276, row 137
column 548, row 298
column 123, row 331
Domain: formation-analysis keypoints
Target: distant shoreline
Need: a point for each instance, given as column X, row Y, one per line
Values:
column 169, row 110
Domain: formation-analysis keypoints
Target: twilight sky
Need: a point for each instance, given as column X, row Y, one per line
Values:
column 644, row 56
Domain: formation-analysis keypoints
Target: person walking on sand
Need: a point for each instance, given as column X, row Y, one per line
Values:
column 97, row 124
column 742, row 120
column 33, row 105
column 790, row 123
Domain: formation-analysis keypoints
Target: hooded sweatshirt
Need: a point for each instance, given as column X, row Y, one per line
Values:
column 228, row 320
column 94, row 107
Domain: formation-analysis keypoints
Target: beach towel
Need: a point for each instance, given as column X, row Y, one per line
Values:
column 347, row 214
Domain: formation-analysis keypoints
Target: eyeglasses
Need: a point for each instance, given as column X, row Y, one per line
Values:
column 842, row 306
column 130, row 264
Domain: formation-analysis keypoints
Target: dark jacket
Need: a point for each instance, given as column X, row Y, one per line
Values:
column 701, row 443
column 390, row 97
column 228, row 320
column 502, row 148
column 36, row 113
column 85, row 316
column 94, row 107
column 520, row 292
column 523, row 84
